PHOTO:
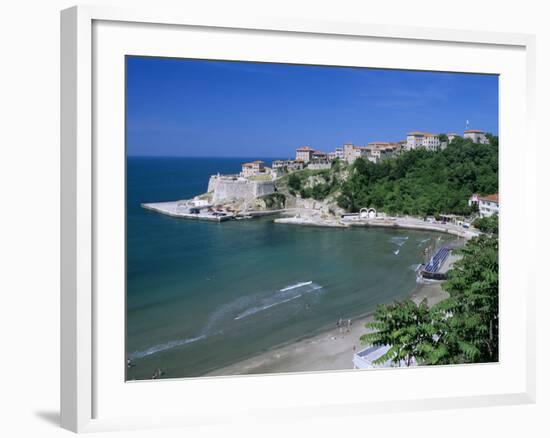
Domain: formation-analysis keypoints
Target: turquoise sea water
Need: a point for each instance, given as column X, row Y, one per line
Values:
column 203, row 295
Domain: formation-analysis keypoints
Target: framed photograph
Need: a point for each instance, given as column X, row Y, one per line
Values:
column 275, row 218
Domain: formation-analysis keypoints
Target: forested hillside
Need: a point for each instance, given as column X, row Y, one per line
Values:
column 422, row 182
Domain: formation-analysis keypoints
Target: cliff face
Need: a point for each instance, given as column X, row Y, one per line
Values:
column 274, row 201
column 314, row 189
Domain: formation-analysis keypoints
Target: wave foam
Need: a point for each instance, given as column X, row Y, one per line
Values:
column 222, row 316
column 280, row 297
column 254, row 310
column 166, row 346
column 398, row 240
column 295, row 286
column 422, row 242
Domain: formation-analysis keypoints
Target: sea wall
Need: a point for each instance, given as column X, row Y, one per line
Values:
column 226, row 189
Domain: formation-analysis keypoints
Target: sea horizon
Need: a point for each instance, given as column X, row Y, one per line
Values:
column 221, row 157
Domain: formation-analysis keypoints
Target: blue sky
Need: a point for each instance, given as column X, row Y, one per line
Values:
column 178, row 107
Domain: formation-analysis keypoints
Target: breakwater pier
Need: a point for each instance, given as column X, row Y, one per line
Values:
column 189, row 210
column 179, row 210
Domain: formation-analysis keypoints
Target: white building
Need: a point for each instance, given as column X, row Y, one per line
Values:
column 352, row 152
column 452, row 135
column 338, row 153
column 380, row 150
column 417, row 139
column 474, row 200
column 431, row 142
column 414, row 140
column 348, row 152
column 304, row 154
column 284, row 166
column 278, row 165
column 197, row 202
column 375, row 151
column 476, row 136
column 253, row 168
column 488, row 205
column 319, row 156
column 319, row 160
column 293, row 165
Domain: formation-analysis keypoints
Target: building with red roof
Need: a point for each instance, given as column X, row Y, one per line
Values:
column 304, row 153
column 476, row 135
column 488, row 205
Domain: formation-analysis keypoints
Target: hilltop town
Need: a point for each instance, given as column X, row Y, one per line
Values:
column 320, row 188
column 376, row 151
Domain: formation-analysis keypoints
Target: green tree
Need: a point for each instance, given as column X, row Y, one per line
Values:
column 487, row 224
column 294, row 182
column 336, row 165
column 464, row 328
column 408, row 329
column 472, row 323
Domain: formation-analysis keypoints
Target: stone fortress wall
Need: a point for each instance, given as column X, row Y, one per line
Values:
column 225, row 188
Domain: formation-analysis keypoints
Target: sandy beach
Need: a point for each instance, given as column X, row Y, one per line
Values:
column 332, row 349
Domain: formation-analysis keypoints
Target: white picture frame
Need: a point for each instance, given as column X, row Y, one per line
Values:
column 85, row 379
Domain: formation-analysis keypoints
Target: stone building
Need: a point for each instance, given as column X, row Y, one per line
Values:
column 253, row 168
column 476, row 136
column 304, row 153
column 284, row 166
column 352, row 152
